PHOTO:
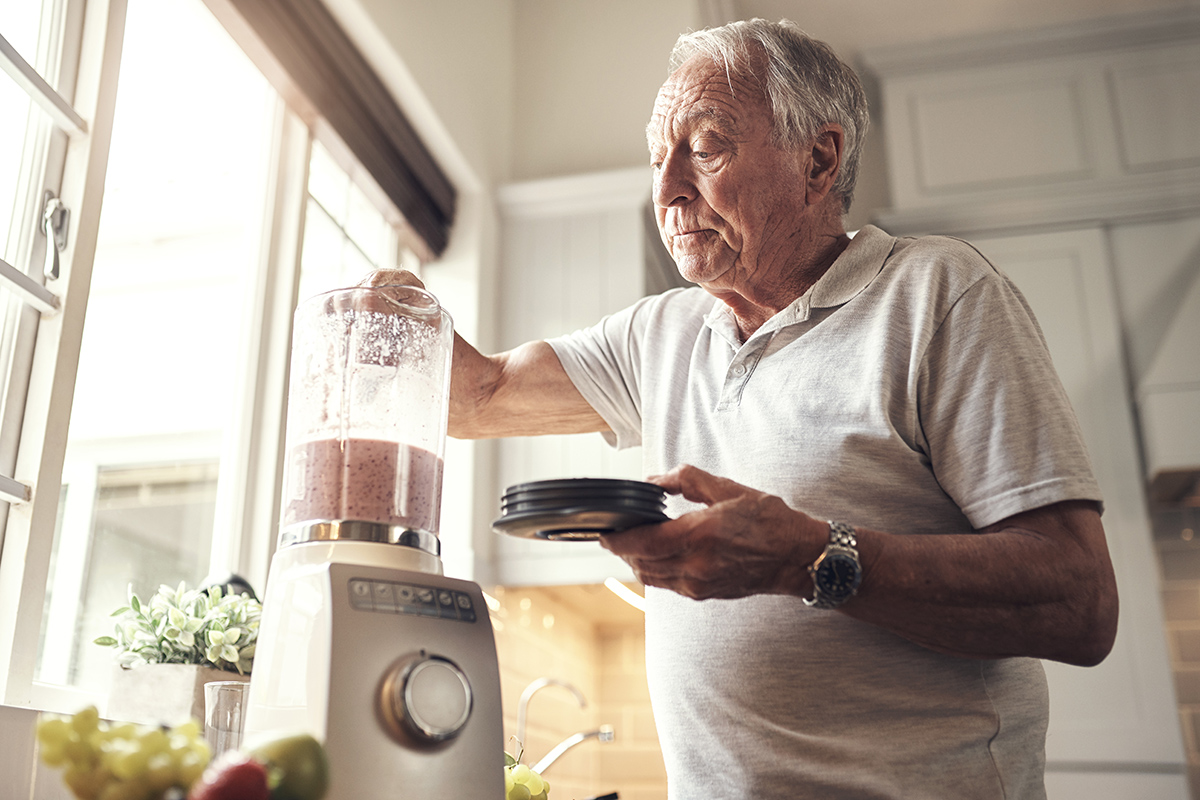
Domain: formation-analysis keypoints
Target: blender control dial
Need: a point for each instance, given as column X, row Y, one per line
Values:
column 428, row 697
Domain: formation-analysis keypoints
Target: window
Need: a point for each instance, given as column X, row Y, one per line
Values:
column 219, row 210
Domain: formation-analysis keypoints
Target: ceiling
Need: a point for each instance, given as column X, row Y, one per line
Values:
column 852, row 26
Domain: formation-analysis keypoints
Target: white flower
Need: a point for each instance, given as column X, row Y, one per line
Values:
column 182, row 626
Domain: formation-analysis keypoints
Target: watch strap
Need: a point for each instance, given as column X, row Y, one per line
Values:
column 842, row 534
column 843, row 541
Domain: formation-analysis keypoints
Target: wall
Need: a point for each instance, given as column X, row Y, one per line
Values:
column 586, row 77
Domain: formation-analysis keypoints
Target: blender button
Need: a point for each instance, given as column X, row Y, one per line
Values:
column 360, row 595
column 384, row 599
column 404, row 594
column 425, row 595
column 445, row 598
column 463, row 600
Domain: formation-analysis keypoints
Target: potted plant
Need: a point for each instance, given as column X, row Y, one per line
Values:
column 169, row 647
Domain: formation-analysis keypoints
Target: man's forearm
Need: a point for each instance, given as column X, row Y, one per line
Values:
column 1039, row 584
column 523, row 392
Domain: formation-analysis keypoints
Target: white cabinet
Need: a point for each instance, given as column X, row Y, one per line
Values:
column 1080, row 124
column 1035, row 147
column 1122, row 711
column 574, row 250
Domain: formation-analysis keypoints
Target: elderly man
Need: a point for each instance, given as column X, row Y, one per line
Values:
column 883, row 512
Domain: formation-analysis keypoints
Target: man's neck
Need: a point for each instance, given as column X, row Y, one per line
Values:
column 753, row 306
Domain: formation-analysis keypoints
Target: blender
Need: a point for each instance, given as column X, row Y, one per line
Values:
column 364, row 643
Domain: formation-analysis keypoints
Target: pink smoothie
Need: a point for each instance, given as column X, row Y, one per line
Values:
column 365, row 480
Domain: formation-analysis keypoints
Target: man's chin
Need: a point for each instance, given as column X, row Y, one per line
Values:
column 700, row 270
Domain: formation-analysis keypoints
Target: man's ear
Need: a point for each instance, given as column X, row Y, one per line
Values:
column 826, row 155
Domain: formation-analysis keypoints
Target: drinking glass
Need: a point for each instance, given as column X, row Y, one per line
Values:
column 224, row 714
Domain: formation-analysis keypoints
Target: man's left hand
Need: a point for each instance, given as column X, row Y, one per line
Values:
column 743, row 542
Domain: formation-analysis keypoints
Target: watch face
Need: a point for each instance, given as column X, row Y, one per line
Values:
column 837, row 576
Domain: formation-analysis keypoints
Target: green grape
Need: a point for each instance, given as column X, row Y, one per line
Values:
column 85, row 721
column 129, row 762
column 153, row 741
column 52, row 755
column 122, row 761
column 84, row 782
column 121, row 731
column 522, row 783
column 161, row 771
column 191, row 766
column 80, row 753
column 125, row 790
column 53, row 730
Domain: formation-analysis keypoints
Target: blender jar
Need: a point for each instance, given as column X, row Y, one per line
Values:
column 367, row 416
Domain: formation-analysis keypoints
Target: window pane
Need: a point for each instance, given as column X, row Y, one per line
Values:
column 150, row 526
column 24, row 134
column 14, row 110
column 159, row 372
column 345, row 236
column 19, row 22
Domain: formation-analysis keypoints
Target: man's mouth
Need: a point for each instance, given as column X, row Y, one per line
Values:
column 691, row 238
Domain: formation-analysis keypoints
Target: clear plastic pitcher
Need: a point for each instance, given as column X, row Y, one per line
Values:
column 367, row 415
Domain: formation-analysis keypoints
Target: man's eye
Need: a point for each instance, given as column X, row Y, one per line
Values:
column 703, row 155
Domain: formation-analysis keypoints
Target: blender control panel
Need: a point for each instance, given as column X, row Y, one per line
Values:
column 391, row 597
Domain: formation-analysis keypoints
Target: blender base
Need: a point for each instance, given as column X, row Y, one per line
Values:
column 390, row 664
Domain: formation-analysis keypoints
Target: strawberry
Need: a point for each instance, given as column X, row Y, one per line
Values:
column 233, row 776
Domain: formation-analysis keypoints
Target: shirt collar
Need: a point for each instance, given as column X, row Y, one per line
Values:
column 850, row 273
column 853, row 270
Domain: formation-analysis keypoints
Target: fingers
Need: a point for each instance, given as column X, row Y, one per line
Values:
column 391, row 277
column 699, row 486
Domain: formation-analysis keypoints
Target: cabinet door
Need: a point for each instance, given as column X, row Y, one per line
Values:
column 564, row 271
column 1122, row 711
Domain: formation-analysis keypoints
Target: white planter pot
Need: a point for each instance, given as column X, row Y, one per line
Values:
column 168, row 694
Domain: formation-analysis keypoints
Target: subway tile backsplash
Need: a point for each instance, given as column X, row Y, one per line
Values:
column 1177, row 541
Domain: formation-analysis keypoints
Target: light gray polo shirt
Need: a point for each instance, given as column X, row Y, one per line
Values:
column 910, row 391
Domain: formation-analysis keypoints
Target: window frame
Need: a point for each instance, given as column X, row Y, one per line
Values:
column 53, row 340
column 248, row 494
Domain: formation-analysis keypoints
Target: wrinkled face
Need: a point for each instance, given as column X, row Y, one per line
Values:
column 729, row 203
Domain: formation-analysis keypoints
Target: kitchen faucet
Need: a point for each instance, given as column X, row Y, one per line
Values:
column 532, row 689
column 604, row 734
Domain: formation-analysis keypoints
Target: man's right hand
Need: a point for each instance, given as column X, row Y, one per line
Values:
column 523, row 392
column 391, row 277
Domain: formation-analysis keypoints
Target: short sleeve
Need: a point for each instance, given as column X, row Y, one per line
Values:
column 603, row 362
column 1000, row 432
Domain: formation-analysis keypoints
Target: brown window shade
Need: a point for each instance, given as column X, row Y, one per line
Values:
column 310, row 60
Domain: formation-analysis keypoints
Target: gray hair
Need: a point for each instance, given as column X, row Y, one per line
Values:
column 806, row 84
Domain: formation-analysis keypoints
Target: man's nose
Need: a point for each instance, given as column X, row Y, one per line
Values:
column 673, row 182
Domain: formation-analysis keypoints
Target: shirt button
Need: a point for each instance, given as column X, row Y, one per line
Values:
column 739, row 370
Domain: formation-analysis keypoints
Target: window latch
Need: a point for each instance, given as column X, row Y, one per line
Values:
column 55, row 219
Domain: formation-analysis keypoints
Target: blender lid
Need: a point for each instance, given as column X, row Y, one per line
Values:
column 587, row 485
column 605, row 503
column 573, row 524
column 580, row 509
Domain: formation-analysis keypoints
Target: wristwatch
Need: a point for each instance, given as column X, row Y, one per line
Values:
column 836, row 574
